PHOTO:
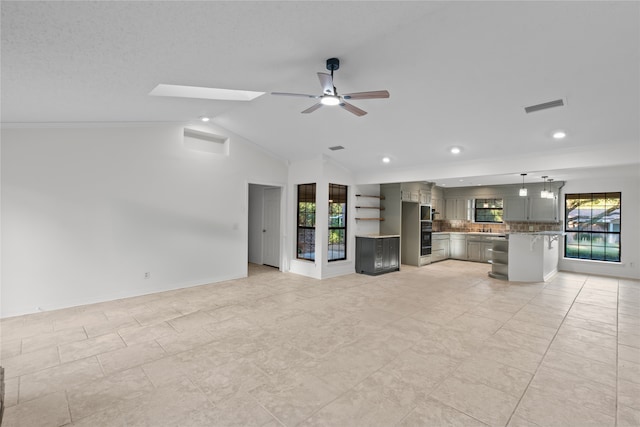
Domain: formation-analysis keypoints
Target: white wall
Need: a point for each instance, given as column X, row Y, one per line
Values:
column 628, row 182
column 87, row 211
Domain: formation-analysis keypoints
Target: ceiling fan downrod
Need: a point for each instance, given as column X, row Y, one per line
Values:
column 332, row 65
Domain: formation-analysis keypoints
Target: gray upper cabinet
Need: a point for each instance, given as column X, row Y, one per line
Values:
column 543, row 210
column 410, row 196
column 455, row 208
column 518, row 208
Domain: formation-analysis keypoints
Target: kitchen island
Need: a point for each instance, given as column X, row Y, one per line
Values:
column 377, row 254
column 533, row 257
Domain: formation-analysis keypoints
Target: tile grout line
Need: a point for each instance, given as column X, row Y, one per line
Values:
column 545, row 353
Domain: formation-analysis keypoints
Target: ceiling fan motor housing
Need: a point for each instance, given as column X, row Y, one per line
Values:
column 333, row 64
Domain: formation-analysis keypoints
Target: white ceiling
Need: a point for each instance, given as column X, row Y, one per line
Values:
column 459, row 73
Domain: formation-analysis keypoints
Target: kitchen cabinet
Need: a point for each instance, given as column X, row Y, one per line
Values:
column 410, row 196
column 411, row 235
column 440, row 247
column 543, row 210
column 533, row 208
column 456, row 209
column 458, row 246
column 438, row 207
column 425, row 197
column 478, row 250
column 377, row 254
column 422, row 197
column 516, row 208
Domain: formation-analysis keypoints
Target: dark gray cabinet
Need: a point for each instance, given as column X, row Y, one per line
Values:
column 377, row 255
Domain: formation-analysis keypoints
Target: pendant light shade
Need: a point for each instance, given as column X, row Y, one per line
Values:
column 544, row 193
column 550, row 194
column 523, row 191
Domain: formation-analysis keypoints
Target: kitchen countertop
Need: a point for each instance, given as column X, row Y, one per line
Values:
column 523, row 233
column 471, row 233
column 540, row 233
column 377, row 236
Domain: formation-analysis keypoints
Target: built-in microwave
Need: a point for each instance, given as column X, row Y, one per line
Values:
column 425, row 213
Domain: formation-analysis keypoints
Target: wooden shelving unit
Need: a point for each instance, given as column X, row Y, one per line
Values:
column 377, row 208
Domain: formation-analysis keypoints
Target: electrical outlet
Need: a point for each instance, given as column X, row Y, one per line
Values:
column 531, row 228
column 147, row 275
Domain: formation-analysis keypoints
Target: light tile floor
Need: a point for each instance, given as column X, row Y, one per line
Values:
column 435, row 346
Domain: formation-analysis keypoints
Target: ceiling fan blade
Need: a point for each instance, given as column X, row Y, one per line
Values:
column 296, row 94
column 312, row 108
column 367, row 95
column 326, row 81
column 353, row 109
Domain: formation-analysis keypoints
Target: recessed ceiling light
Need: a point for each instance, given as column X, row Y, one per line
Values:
column 386, row 160
column 204, row 93
column 455, row 150
column 204, row 119
column 559, row 134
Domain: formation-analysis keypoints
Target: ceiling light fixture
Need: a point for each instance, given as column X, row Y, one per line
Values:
column 204, row 119
column 523, row 191
column 386, row 160
column 550, row 194
column 456, row 150
column 329, row 100
column 543, row 193
column 559, row 134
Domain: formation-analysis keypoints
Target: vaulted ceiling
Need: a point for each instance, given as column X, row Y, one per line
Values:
column 459, row 74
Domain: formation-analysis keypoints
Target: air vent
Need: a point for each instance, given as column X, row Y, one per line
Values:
column 336, row 148
column 544, row 106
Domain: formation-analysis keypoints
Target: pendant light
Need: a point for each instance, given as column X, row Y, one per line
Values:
column 550, row 194
column 523, row 191
column 544, row 193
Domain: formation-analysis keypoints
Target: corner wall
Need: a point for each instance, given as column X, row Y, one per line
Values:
column 86, row 212
column 323, row 171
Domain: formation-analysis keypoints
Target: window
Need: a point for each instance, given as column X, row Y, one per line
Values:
column 306, row 243
column 337, row 249
column 592, row 223
column 488, row 210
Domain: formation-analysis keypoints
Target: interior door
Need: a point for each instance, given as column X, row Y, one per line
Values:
column 271, row 227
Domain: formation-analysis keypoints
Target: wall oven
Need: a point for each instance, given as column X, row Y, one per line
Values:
column 425, row 237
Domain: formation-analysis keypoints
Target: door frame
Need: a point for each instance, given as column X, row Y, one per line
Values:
column 282, row 236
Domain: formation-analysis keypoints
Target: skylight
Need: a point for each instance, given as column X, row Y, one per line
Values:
column 204, row 93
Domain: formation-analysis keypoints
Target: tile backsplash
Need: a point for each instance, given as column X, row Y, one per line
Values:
column 468, row 226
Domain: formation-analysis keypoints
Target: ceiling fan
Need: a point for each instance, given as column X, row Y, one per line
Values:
column 330, row 94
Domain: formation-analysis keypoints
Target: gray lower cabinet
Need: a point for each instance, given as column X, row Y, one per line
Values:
column 479, row 251
column 440, row 248
column 458, row 246
column 377, row 255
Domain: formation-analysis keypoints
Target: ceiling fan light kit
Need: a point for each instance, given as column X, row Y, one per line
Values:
column 330, row 94
column 329, row 100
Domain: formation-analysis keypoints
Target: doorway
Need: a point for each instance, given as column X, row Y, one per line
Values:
column 264, row 225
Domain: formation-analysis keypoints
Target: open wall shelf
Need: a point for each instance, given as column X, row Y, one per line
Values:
column 375, row 208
